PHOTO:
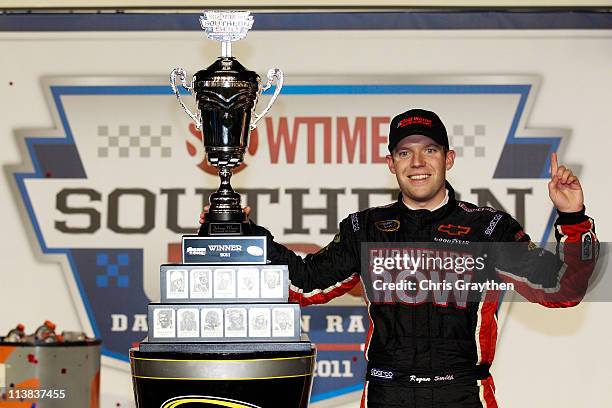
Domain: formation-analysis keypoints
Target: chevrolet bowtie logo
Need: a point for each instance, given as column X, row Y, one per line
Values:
column 451, row 229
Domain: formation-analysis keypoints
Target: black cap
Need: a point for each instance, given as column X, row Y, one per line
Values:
column 417, row 122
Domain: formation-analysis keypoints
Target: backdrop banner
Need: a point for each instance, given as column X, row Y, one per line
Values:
column 107, row 172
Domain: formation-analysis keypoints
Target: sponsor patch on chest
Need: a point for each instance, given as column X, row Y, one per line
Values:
column 388, row 225
column 454, row 230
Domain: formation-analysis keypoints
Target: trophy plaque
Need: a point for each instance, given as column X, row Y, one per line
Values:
column 223, row 319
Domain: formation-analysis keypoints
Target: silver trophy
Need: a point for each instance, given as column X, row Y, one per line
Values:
column 226, row 94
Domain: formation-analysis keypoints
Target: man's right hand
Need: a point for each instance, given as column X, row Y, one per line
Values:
column 246, row 210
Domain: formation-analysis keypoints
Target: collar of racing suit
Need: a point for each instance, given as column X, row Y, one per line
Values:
column 443, row 203
column 424, row 216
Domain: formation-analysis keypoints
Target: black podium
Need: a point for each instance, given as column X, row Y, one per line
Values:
column 236, row 375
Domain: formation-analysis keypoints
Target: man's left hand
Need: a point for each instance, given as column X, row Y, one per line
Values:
column 564, row 188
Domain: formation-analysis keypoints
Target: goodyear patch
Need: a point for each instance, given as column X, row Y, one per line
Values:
column 195, row 401
column 388, row 225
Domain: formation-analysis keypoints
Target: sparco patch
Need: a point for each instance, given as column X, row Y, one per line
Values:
column 493, row 224
column 383, row 374
column 355, row 222
column 388, row 225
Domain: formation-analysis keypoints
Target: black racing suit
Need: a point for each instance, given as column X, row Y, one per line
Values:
column 426, row 355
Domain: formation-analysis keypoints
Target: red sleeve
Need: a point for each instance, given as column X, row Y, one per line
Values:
column 557, row 279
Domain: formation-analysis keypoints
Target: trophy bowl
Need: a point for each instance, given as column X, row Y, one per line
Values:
column 226, row 94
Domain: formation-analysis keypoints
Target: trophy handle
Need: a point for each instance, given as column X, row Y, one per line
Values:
column 272, row 74
column 182, row 75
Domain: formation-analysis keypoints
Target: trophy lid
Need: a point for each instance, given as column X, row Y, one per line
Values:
column 226, row 27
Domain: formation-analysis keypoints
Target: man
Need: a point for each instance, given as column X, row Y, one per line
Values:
column 427, row 354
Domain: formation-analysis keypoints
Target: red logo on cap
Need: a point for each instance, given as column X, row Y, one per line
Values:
column 414, row 120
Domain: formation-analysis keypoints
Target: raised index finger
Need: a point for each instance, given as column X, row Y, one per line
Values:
column 553, row 163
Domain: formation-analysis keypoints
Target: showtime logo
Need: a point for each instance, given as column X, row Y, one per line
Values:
column 328, row 139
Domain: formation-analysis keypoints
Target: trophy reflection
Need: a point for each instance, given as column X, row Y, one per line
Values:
column 226, row 94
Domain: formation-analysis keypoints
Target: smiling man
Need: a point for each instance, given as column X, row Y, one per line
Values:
column 430, row 353
column 419, row 157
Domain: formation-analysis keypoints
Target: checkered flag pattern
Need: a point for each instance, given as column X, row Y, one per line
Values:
column 468, row 142
column 134, row 141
